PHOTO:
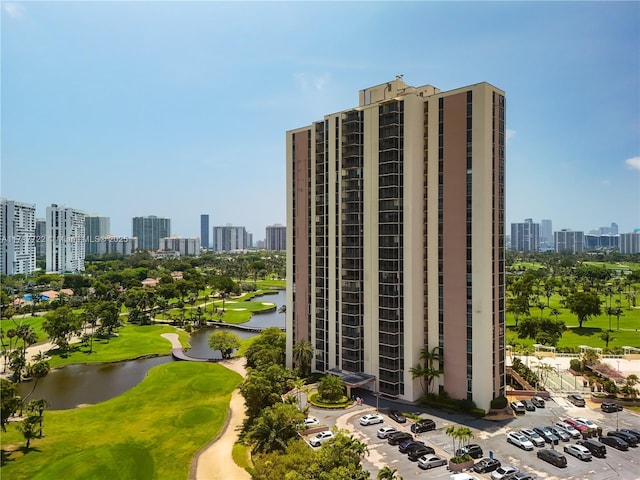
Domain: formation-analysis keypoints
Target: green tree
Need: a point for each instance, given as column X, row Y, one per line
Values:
column 61, row 325
column 226, row 342
column 388, row 473
column 584, row 305
column 28, row 429
column 275, row 428
column 302, row 356
column 38, row 407
column 268, row 348
column 37, row 371
column 331, row 388
column 10, row 402
column 607, row 336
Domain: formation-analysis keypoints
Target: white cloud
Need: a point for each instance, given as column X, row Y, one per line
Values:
column 633, row 163
column 316, row 82
column 14, row 10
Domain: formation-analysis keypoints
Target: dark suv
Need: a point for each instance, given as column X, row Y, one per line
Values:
column 553, row 457
column 423, row 425
column 473, row 450
column 630, row 438
column 615, row 442
column 596, row 448
column 397, row 416
column 609, row 407
column 486, row 465
column 415, row 453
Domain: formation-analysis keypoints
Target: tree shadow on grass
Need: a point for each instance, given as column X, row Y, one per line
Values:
column 585, row 331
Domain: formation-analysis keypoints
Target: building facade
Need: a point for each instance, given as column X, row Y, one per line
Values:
column 184, row 246
column 630, row 242
column 204, row 231
column 525, row 237
column 41, row 233
column 569, row 241
column 395, row 215
column 149, row 230
column 546, row 235
column 118, row 245
column 95, row 228
column 65, row 239
column 276, row 238
column 17, row 237
column 230, row 239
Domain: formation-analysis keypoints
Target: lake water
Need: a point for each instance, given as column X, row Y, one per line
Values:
column 75, row 385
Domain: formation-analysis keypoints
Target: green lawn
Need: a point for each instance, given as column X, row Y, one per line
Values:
column 150, row 432
column 33, row 322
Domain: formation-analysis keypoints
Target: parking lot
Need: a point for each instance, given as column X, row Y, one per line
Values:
column 491, row 436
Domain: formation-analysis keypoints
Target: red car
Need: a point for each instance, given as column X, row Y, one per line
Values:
column 578, row 426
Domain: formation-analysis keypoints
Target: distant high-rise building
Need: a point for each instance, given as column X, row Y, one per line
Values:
column 230, row 239
column 525, row 237
column 184, row 246
column 65, row 239
column 149, row 230
column 630, row 242
column 276, row 237
column 569, row 241
column 41, row 233
column 546, row 235
column 204, row 231
column 17, row 237
column 95, row 228
column 118, row 245
column 614, row 228
column 395, row 240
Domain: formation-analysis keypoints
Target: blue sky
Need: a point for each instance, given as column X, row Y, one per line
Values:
column 176, row 109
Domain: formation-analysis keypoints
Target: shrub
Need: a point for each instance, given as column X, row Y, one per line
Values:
column 499, row 402
column 575, row 365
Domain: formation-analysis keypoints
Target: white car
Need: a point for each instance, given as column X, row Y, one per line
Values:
column 587, row 423
column 371, row 419
column 320, row 438
column 569, row 429
column 519, row 440
column 535, row 438
column 311, row 422
column 578, row 451
column 430, row 461
column 383, row 432
column 463, row 476
column 504, row 472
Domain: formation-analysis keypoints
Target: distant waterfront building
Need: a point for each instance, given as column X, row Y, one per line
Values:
column 119, row 245
column 395, row 240
column 525, row 237
column 184, row 246
column 601, row 242
column 65, row 239
column 149, row 230
column 41, row 232
column 17, row 237
column 276, row 237
column 230, row 239
column 204, row 231
column 95, row 228
column 569, row 241
column 546, row 235
column 630, row 242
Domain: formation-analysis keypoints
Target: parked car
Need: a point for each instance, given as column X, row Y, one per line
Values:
column 503, row 472
column 528, row 405
column 371, row 419
column 560, row 433
column 523, row 476
column 311, row 422
column 383, row 432
column 404, row 446
column 609, row 407
column 424, row 425
column 473, row 450
column 519, row 440
column 592, row 427
column 547, row 434
column 632, row 431
column 597, row 449
column 428, row 462
column 486, row 465
column 518, row 408
column 535, row 438
column 630, row 438
column 577, row 400
column 415, row 453
column 553, row 457
column 463, row 476
column 396, row 437
column 615, row 442
column 578, row 426
column 573, row 432
column 538, row 402
column 578, row 451
column 397, row 416
column 320, row 438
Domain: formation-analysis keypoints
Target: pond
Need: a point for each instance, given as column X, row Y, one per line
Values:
column 76, row 385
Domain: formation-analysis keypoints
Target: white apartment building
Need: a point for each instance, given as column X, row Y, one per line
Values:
column 230, row 239
column 65, row 239
column 17, row 237
column 184, row 246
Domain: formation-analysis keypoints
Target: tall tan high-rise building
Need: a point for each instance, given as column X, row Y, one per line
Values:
column 395, row 240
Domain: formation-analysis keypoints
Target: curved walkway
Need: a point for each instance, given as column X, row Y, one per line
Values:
column 215, row 460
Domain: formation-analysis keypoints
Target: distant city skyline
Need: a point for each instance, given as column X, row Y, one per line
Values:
column 174, row 109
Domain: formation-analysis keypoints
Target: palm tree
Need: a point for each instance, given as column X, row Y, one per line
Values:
column 38, row 406
column 28, row 429
column 420, row 372
column 607, row 337
column 302, row 356
column 388, row 473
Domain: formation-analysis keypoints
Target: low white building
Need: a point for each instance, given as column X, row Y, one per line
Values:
column 184, row 246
